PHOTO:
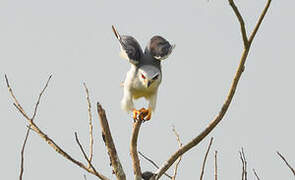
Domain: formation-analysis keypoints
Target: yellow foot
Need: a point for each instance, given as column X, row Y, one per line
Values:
column 145, row 114
column 135, row 113
column 142, row 114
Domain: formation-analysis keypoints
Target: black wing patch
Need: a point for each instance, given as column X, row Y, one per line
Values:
column 160, row 48
column 130, row 48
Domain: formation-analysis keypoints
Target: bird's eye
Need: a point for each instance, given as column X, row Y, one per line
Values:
column 143, row 77
column 156, row 77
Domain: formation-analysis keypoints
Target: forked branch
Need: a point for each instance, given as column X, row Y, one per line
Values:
column 17, row 105
column 166, row 165
column 44, row 136
column 244, row 164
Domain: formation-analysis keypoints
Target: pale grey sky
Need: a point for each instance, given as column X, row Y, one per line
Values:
column 73, row 40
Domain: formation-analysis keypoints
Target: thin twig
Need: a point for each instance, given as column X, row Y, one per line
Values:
column 244, row 164
column 16, row 103
column 85, row 156
column 259, row 22
column 22, row 154
column 153, row 163
column 167, row 164
column 215, row 165
column 205, row 158
column 44, row 136
column 176, row 168
column 246, row 176
column 39, row 98
column 257, row 177
column 241, row 21
column 180, row 157
column 107, row 137
column 133, row 149
column 289, row 166
column 90, row 125
column 148, row 159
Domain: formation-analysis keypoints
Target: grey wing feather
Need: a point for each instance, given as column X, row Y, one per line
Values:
column 160, row 48
column 130, row 47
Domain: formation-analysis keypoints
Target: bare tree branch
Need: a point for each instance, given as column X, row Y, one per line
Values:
column 176, row 168
column 256, row 174
column 22, row 154
column 39, row 98
column 90, row 125
column 107, row 137
column 44, row 136
column 215, row 165
column 133, row 149
column 85, row 156
column 205, row 159
column 179, row 159
column 177, row 136
column 241, row 21
column 289, row 166
column 244, row 164
column 153, row 163
column 259, row 22
column 166, row 165
column 16, row 104
column 148, row 159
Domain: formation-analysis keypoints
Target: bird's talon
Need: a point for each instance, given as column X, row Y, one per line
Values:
column 147, row 114
column 142, row 114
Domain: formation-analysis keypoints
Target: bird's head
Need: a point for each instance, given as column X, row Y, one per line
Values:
column 150, row 76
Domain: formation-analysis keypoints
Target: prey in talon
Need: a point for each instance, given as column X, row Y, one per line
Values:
column 145, row 75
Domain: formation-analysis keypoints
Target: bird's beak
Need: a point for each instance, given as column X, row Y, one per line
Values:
column 173, row 46
column 148, row 84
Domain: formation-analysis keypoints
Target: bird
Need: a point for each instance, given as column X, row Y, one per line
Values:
column 145, row 75
column 147, row 175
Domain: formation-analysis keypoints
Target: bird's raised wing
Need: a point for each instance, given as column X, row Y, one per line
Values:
column 130, row 48
column 159, row 47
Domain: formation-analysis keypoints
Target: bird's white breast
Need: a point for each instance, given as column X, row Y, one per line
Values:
column 135, row 86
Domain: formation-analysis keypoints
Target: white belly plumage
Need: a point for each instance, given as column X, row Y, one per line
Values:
column 134, row 89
